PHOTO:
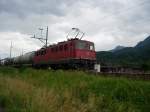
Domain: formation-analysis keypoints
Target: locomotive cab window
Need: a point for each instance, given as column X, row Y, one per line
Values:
column 92, row 47
column 84, row 46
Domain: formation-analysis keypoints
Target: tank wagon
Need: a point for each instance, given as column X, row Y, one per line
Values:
column 24, row 59
column 7, row 61
column 73, row 53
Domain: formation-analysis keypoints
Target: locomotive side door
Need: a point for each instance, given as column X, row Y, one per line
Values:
column 71, row 50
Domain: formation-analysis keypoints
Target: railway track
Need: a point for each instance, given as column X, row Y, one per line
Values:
column 143, row 76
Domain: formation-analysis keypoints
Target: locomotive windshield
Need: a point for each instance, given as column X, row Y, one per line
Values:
column 85, row 45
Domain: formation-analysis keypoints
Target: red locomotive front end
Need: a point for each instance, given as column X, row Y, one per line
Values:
column 85, row 50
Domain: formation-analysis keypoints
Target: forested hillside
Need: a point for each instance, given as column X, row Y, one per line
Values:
column 138, row 56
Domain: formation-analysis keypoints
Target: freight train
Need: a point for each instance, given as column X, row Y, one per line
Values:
column 73, row 53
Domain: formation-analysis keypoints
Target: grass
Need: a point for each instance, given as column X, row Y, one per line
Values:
column 30, row 90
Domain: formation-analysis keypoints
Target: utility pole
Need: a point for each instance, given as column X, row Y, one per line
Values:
column 43, row 40
column 11, row 49
column 22, row 52
column 46, row 35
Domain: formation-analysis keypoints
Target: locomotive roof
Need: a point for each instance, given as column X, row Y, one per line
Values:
column 64, row 42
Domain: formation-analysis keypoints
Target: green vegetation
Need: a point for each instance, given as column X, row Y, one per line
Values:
column 29, row 90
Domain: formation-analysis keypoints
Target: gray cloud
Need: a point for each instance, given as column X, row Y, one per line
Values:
column 106, row 22
column 23, row 8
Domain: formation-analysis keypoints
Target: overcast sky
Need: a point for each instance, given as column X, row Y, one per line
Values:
column 107, row 23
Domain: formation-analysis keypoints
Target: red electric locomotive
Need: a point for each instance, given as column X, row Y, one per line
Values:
column 73, row 53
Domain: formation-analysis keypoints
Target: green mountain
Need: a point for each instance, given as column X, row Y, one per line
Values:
column 117, row 48
column 138, row 56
